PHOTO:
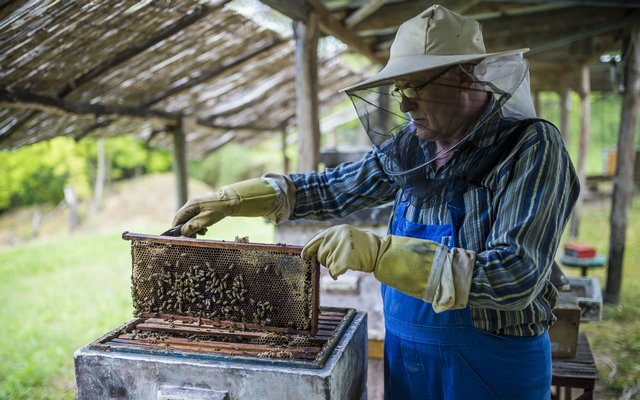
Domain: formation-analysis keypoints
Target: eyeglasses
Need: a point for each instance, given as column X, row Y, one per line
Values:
column 411, row 93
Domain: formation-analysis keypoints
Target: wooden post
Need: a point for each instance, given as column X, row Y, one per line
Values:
column 98, row 187
column 285, row 159
column 565, row 114
column 383, row 121
column 623, row 180
column 306, row 34
column 535, row 96
column 585, row 114
column 71, row 199
column 180, row 163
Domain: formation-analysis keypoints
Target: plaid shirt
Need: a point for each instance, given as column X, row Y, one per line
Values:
column 514, row 220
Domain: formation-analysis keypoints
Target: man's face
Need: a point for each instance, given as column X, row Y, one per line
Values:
column 433, row 107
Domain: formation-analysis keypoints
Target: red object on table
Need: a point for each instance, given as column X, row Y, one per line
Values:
column 579, row 250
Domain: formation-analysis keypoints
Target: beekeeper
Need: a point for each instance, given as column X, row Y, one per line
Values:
column 481, row 192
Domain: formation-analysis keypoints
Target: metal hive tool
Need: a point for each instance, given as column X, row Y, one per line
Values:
column 238, row 285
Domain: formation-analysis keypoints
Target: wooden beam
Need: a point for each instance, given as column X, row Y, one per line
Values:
column 565, row 113
column 585, row 130
column 623, row 180
column 583, row 34
column 203, row 77
column 219, row 142
column 307, row 34
column 206, row 75
column 333, row 27
column 392, row 15
column 24, row 99
column 363, row 12
column 297, row 10
column 197, row 14
column 180, row 163
column 585, row 3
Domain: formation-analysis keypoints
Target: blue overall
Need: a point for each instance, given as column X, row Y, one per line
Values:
column 442, row 356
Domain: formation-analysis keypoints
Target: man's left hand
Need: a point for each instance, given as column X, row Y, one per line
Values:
column 344, row 247
column 420, row 268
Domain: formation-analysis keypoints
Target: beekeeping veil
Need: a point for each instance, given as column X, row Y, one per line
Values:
column 437, row 40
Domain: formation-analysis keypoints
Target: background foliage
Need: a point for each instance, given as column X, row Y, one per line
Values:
column 36, row 174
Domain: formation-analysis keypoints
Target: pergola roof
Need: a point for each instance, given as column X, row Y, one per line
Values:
column 88, row 69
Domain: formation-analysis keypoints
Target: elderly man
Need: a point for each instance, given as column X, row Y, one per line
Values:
column 482, row 191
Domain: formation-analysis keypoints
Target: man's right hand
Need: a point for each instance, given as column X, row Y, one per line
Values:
column 203, row 211
column 251, row 198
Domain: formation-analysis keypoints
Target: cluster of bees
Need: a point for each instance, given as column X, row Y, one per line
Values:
column 276, row 354
column 199, row 292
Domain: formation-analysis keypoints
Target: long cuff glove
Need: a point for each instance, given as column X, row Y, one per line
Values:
column 420, row 268
column 272, row 197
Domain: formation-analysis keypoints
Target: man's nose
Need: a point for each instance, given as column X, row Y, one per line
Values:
column 407, row 105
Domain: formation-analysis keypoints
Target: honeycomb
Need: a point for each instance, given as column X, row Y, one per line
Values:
column 259, row 285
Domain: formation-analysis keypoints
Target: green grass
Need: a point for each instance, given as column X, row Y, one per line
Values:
column 58, row 295
column 615, row 340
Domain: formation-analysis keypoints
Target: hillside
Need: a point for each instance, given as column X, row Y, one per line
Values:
column 146, row 205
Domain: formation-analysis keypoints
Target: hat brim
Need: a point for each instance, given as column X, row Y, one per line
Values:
column 407, row 65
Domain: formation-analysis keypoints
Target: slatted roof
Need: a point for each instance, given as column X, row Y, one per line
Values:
column 112, row 67
column 103, row 68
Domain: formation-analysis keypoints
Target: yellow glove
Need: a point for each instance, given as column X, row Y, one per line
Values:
column 251, row 198
column 420, row 268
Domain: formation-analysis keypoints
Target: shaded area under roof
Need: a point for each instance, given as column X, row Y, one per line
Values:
column 66, row 68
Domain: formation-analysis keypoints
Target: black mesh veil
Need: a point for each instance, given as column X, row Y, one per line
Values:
column 408, row 129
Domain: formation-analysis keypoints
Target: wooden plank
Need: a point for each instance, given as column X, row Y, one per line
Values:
column 297, row 10
column 180, row 166
column 332, row 26
column 586, row 3
column 585, row 129
column 25, row 99
column 376, row 349
column 392, row 15
column 210, row 344
column 175, row 344
column 121, row 57
column 306, row 57
column 294, row 250
column 623, row 181
column 217, row 70
column 363, row 12
column 565, row 113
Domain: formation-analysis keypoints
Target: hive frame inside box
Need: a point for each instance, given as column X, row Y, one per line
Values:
column 105, row 370
column 113, row 342
column 589, row 294
column 234, row 284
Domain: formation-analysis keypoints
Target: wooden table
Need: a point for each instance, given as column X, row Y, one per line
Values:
column 598, row 261
column 579, row 372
